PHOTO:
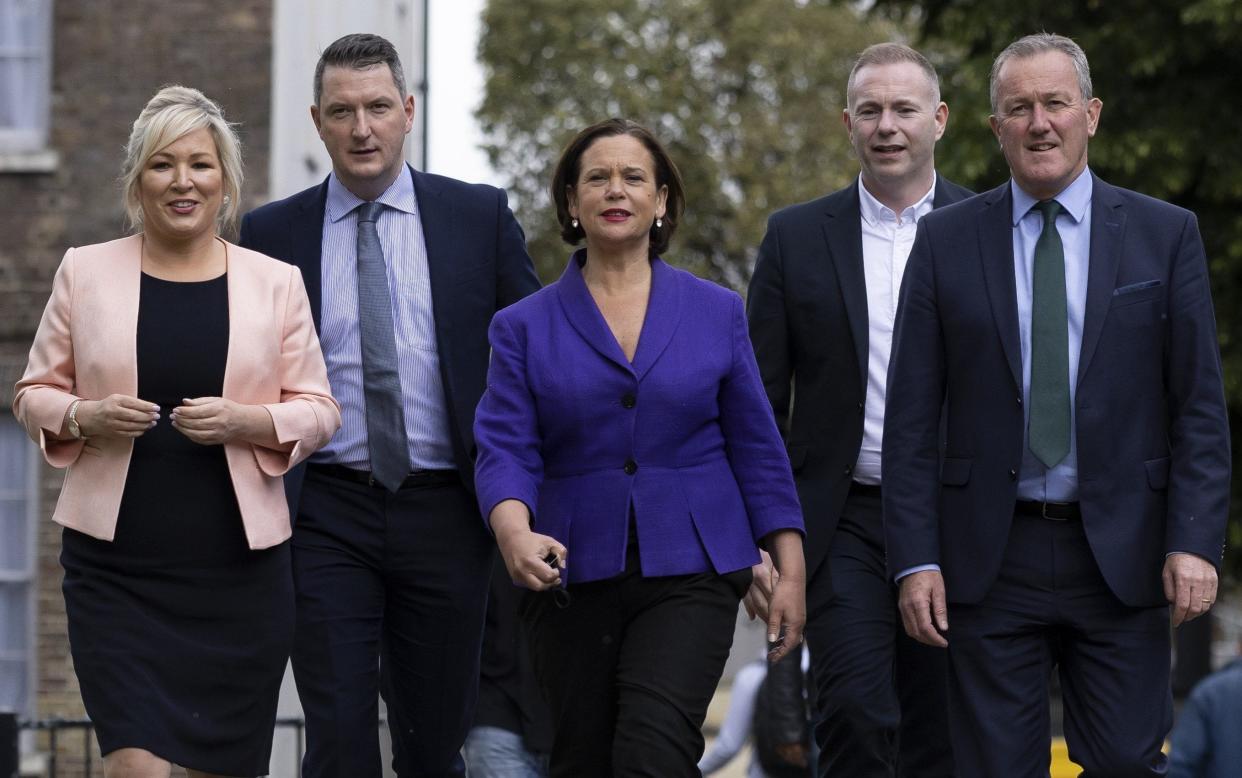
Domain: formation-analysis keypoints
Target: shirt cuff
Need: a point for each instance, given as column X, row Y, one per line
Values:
column 913, row 570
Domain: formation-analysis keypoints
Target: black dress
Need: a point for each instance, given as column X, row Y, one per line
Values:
column 179, row 632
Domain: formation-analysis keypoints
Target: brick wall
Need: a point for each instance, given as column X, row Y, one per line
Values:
column 109, row 57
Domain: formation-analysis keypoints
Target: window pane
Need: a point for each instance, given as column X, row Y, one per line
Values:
column 25, row 27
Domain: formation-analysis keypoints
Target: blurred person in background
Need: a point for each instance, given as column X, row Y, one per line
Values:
column 177, row 377
column 1207, row 738
column 767, row 706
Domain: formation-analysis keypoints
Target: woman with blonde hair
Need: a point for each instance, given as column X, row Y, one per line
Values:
column 177, row 377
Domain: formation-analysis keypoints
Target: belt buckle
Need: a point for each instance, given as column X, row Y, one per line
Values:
column 370, row 478
column 1043, row 510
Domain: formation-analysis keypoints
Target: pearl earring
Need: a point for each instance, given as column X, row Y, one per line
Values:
column 575, row 223
column 227, row 199
column 659, row 223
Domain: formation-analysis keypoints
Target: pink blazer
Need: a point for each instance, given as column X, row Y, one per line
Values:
column 86, row 348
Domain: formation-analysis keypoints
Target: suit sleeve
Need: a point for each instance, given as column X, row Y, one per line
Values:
column 753, row 444
column 912, row 410
column 769, row 329
column 506, row 427
column 43, row 395
column 1199, row 473
column 307, row 415
column 516, row 276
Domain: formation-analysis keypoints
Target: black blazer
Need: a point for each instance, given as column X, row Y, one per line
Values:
column 476, row 256
column 807, row 308
column 1153, row 439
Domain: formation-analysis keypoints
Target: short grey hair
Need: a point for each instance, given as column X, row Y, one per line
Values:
column 1038, row 43
column 891, row 54
column 176, row 111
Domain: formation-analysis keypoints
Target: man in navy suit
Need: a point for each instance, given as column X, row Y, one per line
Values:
column 821, row 307
column 1066, row 327
column 391, row 559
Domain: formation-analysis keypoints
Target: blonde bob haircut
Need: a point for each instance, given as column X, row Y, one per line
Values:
column 176, row 111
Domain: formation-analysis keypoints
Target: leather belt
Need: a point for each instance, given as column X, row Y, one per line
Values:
column 1052, row 511
column 864, row 490
column 416, row 478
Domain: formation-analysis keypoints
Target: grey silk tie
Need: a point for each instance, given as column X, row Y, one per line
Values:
column 1050, row 396
column 386, row 442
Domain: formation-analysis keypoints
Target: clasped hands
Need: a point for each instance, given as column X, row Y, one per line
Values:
column 204, row 420
column 1190, row 586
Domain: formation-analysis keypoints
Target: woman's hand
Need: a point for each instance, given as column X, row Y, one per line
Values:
column 787, row 609
column 116, row 416
column 212, row 421
column 786, row 612
column 524, row 550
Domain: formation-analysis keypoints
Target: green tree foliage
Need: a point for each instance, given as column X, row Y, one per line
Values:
column 1168, row 72
column 746, row 96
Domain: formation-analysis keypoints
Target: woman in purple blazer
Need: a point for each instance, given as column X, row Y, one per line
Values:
column 630, row 468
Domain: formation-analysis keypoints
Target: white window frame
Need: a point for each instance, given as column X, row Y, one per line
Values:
column 27, row 574
column 25, row 148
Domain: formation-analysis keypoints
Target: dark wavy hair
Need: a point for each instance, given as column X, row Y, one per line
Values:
column 666, row 174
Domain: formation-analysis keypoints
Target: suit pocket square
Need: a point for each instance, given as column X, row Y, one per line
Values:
column 1140, row 286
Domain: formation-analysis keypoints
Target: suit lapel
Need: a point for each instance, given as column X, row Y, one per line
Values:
column 585, row 317
column 1108, row 221
column 996, row 253
column 660, row 322
column 306, row 235
column 435, row 213
column 843, row 234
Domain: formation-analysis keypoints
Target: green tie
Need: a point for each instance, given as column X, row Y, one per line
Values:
column 1050, row 397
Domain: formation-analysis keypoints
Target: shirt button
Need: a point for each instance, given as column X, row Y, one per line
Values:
column 627, row 401
column 631, row 467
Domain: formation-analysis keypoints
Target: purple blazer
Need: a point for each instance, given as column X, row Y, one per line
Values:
column 684, row 436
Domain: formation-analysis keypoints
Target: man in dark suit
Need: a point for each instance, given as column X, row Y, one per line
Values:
column 391, row 559
column 1066, row 325
column 821, row 307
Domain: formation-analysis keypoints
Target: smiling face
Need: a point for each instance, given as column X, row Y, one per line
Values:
column 1043, row 122
column 894, row 120
column 615, row 197
column 363, row 120
column 181, row 188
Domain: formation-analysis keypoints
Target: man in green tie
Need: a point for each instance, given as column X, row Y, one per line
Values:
column 1062, row 329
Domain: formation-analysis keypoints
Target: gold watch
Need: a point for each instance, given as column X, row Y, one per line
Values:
column 75, row 429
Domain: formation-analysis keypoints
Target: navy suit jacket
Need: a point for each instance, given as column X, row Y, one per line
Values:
column 1153, row 439
column 683, row 436
column 807, row 307
column 476, row 256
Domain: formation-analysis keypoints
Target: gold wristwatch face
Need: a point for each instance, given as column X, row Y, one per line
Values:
column 74, row 429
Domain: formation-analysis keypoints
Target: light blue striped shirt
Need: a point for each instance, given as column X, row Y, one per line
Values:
column 418, row 360
column 1035, row 482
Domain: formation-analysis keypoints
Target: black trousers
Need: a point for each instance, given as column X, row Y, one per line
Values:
column 1051, row 607
column 629, row 667
column 881, row 697
column 391, row 594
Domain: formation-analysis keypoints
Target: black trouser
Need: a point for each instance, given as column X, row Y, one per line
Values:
column 881, row 699
column 391, row 593
column 1051, row 607
column 629, row 668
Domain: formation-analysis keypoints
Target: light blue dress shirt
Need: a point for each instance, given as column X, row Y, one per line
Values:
column 418, row 360
column 1035, row 482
